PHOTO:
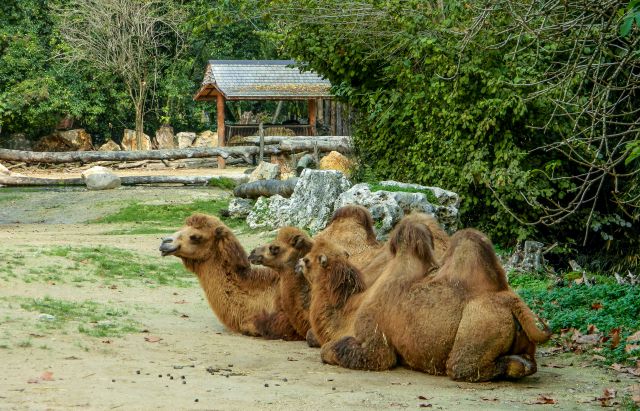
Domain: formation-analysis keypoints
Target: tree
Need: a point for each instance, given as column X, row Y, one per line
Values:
column 132, row 39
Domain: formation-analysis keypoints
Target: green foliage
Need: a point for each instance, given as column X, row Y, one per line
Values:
column 607, row 306
column 94, row 319
column 224, row 183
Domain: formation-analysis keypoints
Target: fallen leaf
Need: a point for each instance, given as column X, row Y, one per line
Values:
column 635, row 337
column 607, row 397
column 422, row 397
column 596, row 306
column 543, row 399
column 180, row 302
column 113, row 287
column 184, row 316
column 106, row 341
column 47, row 376
column 152, row 339
column 592, row 329
column 635, row 393
column 615, row 337
column 426, row 405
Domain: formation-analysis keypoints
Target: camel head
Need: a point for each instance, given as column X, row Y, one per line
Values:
column 411, row 236
column 204, row 237
column 290, row 245
column 326, row 266
column 471, row 262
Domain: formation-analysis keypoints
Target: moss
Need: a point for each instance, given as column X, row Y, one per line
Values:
column 222, row 182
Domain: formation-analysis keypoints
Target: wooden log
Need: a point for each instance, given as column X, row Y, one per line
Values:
column 266, row 188
column 125, row 180
column 310, row 145
column 255, row 140
column 138, row 155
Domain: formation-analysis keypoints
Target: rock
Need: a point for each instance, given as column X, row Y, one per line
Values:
column 529, row 259
column 72, row 140
column 130, row 143
column 100, row 178
column 265, row 171
column 4, row 171
column 388, row 207
column 165, row 140
column 110, row 145
column 16, row 141
column 310, row 206
column 46, row 317
column 240, row 207
column 306, row 161
column 336, row 161
column 206, row 139
column 185, row 139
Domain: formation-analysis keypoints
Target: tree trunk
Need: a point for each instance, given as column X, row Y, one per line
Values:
column 266, row 188
column 126, row 180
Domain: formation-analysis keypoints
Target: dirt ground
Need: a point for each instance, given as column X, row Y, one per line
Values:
column 183, row 358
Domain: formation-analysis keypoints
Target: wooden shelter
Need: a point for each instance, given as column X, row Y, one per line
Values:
column 260, row 80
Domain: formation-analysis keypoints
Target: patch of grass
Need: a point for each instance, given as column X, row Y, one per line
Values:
column 156, row 219
column 96, row 320
column 110, row 263
column 396, row 189
column 607, row 306
column 222, row 182
column 25, row 344
column 530, row 282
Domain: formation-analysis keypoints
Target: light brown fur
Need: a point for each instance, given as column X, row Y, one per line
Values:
column 237, row 293
column 437, row 324
column 338, row 287
column 281, row 255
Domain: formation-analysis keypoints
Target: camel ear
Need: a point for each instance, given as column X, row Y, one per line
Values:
column 219, row 233
column 323, row 260
column 299, row 242
column 345, row 281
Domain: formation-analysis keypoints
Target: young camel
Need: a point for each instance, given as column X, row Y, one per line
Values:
column 237, row 293
column 281, row 255
column 436, row 324
column 338, row 290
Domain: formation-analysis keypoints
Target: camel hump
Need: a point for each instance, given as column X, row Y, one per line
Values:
column 360, row 215
column 414, row 238
column 527, row 320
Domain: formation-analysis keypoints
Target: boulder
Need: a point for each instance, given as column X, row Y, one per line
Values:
column 240, row 207
column 528, row 258
column 164, row 138
column 306, row 161
column 387, row 207
column 265, row 171
column 206, row 139
column 310, row 206
column 100, row 178
column 336, row 161
column 110, row 145
column 16, row 141
column 72, row 140
column 185, row 139
column 129, row 142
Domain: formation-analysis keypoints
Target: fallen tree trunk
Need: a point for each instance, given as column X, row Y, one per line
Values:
column 266, row 188
column 94, row 156
column 255, row 140
column 125, row 180
column 310, row 145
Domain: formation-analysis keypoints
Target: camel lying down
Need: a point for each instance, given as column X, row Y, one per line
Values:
column 462, row 321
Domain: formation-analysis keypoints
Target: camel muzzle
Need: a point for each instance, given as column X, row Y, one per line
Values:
column 167, row 247
column 255, row 258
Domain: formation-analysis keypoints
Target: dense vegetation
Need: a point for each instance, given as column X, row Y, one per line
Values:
column 527, row 109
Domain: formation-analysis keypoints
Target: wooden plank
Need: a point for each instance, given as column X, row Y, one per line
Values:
column 220, row 117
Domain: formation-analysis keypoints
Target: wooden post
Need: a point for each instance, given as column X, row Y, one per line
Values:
column 221, row 142
column 312, row 115
column 261, row 133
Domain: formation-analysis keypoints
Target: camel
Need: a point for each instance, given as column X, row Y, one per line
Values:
column 338, row 290
column 281, row 255
column 237, row 293
column 434, row 323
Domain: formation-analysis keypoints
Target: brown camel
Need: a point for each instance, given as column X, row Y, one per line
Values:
column 434, row 324
column 281, row 255
column 339, row 288
column 237, row 292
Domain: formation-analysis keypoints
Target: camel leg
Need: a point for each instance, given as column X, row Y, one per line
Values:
column 275, row 326
column 485, row 334
column 312, row 340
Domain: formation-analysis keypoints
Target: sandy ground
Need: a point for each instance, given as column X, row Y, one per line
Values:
column 185, row 359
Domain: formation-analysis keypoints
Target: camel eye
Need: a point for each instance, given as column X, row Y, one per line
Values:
column 274, row 249
column 195, row 238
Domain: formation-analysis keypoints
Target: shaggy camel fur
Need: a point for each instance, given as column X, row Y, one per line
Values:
column 237, row 293
column 339, row 288
column 434, row 324
column 281, row 255
column 351, row 226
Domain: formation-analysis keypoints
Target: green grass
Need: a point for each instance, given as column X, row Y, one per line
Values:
column 395, row 189
column 114, row 264
column 605, row 305
column 156, row 219
column 222, row 182
column 93, row 319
